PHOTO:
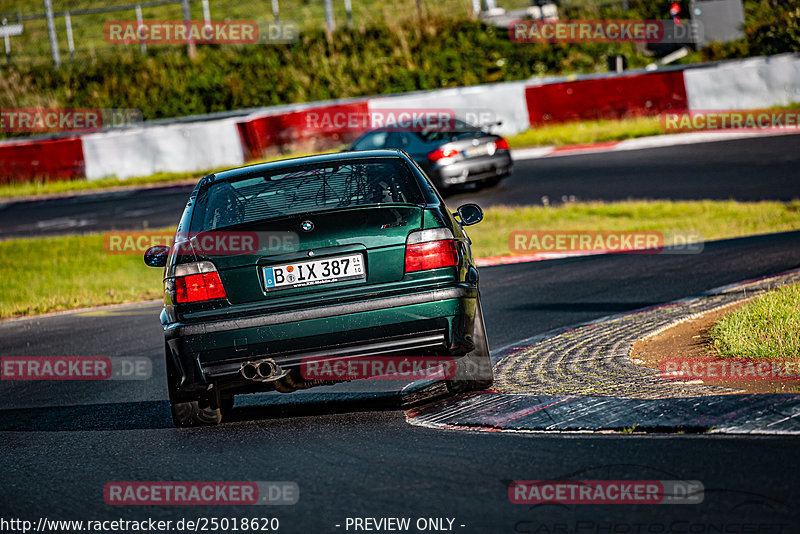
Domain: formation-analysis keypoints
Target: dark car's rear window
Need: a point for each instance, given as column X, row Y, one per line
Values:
column 304, row 189
column 459, row 130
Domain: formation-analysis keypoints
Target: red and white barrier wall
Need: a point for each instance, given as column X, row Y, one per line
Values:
column 56, row 159
column 504, row 102
column 755, row 83
column 200, row 143
column 177, row 147
column 299, row 128
column 606, row 98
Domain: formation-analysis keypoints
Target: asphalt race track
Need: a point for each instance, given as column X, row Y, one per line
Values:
column 351, row 451
column 354, row 455
column 762, row 168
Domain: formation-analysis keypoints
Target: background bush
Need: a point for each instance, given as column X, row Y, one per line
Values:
column 378, row 59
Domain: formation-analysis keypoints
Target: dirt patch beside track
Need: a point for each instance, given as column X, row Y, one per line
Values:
column 690, row 339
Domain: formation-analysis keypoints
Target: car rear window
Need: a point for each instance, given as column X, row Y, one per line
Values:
column 305, row 189
column 460, row 130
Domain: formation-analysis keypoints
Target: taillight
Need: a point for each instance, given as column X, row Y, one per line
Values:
column 430, row 249
column 501, row 144
column 442, row 153
column 197, row 282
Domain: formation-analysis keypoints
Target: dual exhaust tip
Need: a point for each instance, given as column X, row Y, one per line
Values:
column 262, row 370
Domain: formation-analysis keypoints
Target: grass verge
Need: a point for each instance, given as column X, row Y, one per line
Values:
column 58, row 273
column 577, row 133
column 598, row 131
column 713, row 219
column 767, row 327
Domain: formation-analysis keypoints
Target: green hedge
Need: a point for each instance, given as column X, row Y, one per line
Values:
column 351, row 62
column 442, row 52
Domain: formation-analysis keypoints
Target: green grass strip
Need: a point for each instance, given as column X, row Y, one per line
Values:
column 766, row 327
column 58, row 273
column 713, row 219
column 578, row 133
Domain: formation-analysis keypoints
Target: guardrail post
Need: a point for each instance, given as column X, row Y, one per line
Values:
column 139, row 24
column 276, row 11
column 7, row 40
column 70, row 41
column 191, row 47
column 476, row 7
column 331, row 22
column 51, row 31
column 348, row 7
column 206, row 12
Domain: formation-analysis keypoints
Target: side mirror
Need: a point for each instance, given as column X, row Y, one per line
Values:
column 156, row 256
column 469, row 214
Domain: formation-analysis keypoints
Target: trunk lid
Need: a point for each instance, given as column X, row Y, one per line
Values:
column 376, row 233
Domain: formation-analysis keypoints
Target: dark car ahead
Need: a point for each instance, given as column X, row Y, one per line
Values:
column 339, row 256
column 456, row 155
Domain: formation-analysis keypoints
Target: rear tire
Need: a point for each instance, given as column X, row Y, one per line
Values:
column 474, row 370
column 493, row 181
column 202, row 411
column 195, row 413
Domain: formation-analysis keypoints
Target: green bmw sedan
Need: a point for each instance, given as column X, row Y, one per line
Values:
column 334, row 258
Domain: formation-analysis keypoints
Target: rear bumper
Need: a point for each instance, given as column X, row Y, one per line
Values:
column 436, row 321
column 471, row 170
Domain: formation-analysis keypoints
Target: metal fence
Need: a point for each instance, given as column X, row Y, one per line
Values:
column 59, row 34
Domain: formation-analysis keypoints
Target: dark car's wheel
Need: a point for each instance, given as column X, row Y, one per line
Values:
column 204, row 410
column 493, row 181
column 474, row 370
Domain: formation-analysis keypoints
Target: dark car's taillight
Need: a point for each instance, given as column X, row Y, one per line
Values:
column 197, row 282
column 501, row 144
column 442, row 153
column 430, row 249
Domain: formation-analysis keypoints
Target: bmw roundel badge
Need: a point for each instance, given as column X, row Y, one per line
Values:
column 307, row 226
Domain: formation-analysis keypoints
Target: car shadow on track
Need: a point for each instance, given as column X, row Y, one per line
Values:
column 156, row 414
column 111, row 416
column 279, row 406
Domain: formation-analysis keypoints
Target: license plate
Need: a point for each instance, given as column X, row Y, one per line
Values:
column 314, row 272
column 480, row 150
